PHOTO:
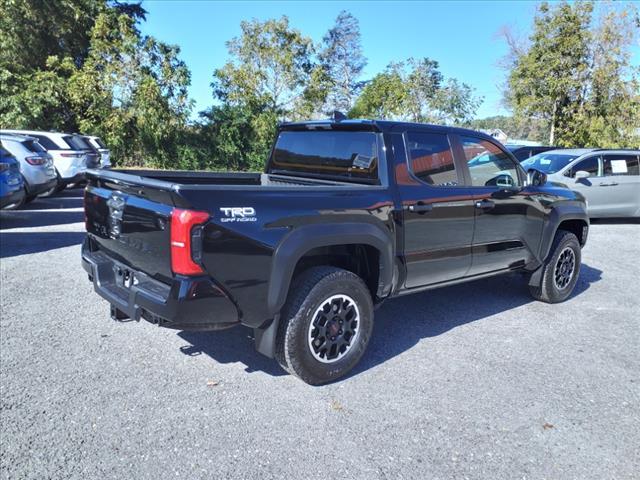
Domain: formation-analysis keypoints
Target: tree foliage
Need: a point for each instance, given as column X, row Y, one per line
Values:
column 576, row 75
column 85, row 65
column 342, row 60
column 416, row 90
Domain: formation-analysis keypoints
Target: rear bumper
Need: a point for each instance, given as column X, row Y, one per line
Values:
column 188, row 303
column 42, row 187
column 12, row 198
column 77, row 178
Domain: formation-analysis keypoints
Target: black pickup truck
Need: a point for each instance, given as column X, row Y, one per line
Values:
column 347, row 214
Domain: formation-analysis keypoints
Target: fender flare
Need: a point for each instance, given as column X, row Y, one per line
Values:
column 303, row 239
column 559, row 214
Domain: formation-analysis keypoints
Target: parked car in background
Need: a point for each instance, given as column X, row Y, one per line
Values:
column 105, row 153
column 609, row 179
column 69, row 159
column 11, row 182
column 36, row 165
column 522, row 152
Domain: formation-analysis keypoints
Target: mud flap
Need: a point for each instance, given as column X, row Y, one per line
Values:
column 536, row 277
column 265, row 338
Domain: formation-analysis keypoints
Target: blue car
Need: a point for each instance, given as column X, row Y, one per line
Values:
column 11, row 181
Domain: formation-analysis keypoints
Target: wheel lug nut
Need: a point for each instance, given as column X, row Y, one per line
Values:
column 339, row 331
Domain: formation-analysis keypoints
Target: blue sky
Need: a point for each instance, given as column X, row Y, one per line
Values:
column 461, row 35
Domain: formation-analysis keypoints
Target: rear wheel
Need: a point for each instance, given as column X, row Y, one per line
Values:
column 325, row 325
column 560, row 270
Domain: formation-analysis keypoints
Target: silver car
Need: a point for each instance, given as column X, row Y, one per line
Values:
column 36, row 165
column 609, row 179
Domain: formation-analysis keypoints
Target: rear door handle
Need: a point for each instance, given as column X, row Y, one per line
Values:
column 612, row 184
column 420, row 207
column 485, row 204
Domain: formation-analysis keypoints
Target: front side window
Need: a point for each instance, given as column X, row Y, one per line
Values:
column 620, row 164
column 431, row 159
column 589, row 165
column 488, row 165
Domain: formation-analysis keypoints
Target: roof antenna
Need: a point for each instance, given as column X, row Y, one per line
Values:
column 338, row 116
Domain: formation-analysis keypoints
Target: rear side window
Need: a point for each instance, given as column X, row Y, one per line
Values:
column 589, row 165
column 47, row 143
column 489, row 166
column 99, row 142
column 620, row 164
column 33, row 146
column 431, row 159
column 77, row 143
column 327, row 153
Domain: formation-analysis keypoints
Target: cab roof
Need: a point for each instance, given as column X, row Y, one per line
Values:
column 378, row 126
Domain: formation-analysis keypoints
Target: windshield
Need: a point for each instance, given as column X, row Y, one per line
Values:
column 327, row 153
column 548, row 162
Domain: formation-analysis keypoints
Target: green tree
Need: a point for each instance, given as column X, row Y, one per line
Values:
column 342, row 59
column 416, row 90
column 577, row 77
column 270, row 66
column 611, row 115
column 383, row 97
column 90, row 69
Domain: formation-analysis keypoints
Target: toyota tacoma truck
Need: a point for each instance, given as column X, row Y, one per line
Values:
column 346, row 215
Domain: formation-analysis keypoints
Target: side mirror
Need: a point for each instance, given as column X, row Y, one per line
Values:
column 580, row 174
column 536, row 178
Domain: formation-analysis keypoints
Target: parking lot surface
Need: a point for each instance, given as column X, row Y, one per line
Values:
column 471, row 381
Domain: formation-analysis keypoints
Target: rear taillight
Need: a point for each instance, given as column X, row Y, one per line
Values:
column 36, row 160
column 183, row 223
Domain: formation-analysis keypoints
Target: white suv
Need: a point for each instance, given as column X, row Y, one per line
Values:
column 105, row 154
column 69, row 160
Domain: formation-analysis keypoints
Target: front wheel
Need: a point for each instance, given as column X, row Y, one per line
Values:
column 325, row 325
column 560, row 270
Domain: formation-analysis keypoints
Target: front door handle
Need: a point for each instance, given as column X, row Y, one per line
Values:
column 485, row 204
column 612, row 184
column 420, row 207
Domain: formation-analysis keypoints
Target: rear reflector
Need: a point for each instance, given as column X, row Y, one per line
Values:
column 182, row 225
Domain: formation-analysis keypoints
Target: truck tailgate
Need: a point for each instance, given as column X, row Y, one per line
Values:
column 133, row 230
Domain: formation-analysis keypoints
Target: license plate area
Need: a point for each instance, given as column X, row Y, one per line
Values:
column 123, row 277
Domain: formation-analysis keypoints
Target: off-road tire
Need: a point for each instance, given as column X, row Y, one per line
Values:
column 548, row 290
column 309, row 291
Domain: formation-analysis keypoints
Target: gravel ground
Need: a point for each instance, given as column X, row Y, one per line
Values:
column 472, row 381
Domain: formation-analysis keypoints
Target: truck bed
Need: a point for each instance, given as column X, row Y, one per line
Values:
column 205, row 179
